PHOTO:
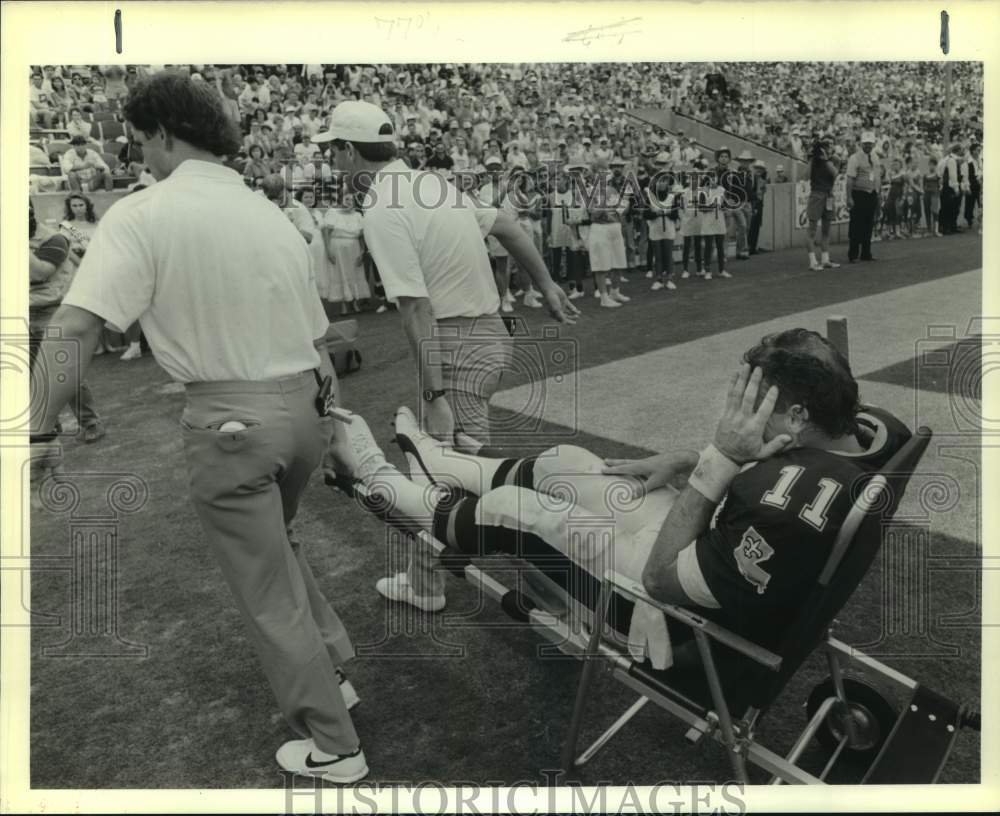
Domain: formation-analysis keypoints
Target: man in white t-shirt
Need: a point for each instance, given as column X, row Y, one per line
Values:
column 307, row 150
column 221, row 284
column 82, row 165
column 426, row 239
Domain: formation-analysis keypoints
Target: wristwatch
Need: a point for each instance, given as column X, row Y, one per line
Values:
column 431, row 394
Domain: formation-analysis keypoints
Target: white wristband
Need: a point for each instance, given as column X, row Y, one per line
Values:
column 713, row 474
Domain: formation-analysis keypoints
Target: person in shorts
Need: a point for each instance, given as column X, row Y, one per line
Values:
column 819, row 210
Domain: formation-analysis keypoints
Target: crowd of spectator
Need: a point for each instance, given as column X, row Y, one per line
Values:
column 782, row 104
column 486, row 119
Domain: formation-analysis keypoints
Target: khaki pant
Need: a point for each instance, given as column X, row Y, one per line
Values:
column 246, row 486
column 474, row 353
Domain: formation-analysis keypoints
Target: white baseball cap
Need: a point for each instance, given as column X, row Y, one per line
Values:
column 868, row 136
column 355, row 121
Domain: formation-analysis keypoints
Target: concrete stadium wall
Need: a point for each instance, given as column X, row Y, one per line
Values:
column 50, row 207
column 779, row 224
column 710, row 139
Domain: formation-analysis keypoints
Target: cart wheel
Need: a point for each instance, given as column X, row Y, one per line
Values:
column 873, row 714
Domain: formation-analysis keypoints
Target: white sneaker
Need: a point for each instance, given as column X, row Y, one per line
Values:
column 656, row 287
column 133, row 352
column 347, row 691
column 704, row 273
column 533, row 300
column 685, row 275
column 417, row 445
column 609, row 303
column 816, row 267
column 649, row 274
column 671, row 285
column 381, row 309
column 576, row 293
column 617, row 295
column 303, row 758
column 397, row 588
column 505, row 306
column 623, row 279
column 724, row 274
column 707, row 276
column 834, row 265
column 597, row 293
column 368, row 456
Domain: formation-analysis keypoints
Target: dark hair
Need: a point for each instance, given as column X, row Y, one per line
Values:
column 187, row 110
column 90, row 216
column 809, row 371
column 819, row 147
column 76, row 141
column 370, row 151
column 255, row 147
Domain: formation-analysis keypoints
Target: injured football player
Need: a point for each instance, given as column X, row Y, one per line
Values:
column 737, row 532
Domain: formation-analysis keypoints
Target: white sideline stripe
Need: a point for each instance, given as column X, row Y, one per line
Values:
column 632, row 401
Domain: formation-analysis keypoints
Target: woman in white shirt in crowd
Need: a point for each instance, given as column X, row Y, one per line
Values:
column 690, row 224
column 79, row 225
column 342, row 236
column 79, row 222
column 460, row 155
column 77, row 125
column 321, row 264
column 712, row 225
column 663, row 209
column 61, row 98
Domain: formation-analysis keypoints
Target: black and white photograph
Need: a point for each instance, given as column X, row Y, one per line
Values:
column 566, row 425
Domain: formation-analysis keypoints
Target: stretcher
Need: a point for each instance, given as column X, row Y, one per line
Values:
column 889, row 727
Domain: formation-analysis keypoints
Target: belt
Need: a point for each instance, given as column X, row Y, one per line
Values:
column 280, row 385
column 459, row 319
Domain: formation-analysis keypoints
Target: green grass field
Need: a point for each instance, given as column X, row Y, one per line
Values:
column 464, row 696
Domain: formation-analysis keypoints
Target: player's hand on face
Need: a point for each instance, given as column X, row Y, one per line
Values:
column 439, row 421
column 740, row 432
column 560, row 306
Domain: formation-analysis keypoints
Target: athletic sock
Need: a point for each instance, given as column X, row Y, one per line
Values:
column 515, row 472
column 477, row 540
column 812, row 259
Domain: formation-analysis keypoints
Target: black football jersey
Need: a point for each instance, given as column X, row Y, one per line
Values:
column 774, row 530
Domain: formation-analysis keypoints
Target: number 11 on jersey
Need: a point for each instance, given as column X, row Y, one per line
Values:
column 813, row 513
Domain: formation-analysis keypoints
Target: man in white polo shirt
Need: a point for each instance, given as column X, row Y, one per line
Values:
column 862, row 198
column 426, row 239
column 222, row 286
